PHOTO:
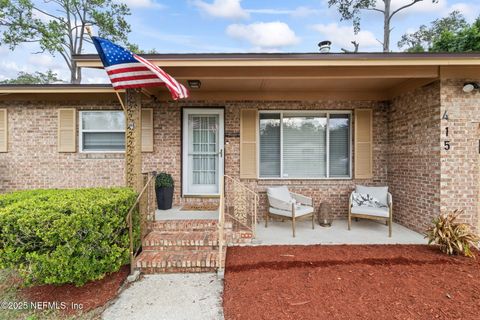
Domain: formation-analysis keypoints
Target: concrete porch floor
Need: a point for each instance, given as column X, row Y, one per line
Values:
column 363, row 232
column 176, row 214
column 280, row 233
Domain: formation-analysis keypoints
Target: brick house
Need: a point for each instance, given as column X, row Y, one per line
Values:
column 319, row 123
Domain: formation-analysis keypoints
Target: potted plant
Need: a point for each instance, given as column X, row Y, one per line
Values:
column 164, row 190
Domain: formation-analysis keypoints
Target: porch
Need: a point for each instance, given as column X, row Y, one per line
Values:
column 381, row 129
column 280, row 233
column 195, row 241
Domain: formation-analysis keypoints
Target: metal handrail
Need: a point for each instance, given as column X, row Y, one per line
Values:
column 255, row 195
column 221, row 214
column 221, row 222
column 241, row 185
column 129, row 220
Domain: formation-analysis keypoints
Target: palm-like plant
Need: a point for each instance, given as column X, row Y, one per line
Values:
column 451, row 236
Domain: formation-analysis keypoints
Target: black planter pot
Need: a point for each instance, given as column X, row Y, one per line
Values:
column 164, row 197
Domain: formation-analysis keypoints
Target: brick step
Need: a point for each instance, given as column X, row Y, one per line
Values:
column 183, row 225
column 150, row 262
column 180, row 240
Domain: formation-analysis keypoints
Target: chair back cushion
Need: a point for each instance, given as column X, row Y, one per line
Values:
column 280, row 198
column 280, row 193
column 379, row 193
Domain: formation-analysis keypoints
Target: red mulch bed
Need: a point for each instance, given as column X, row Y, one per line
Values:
column 92, row 295
column 350, row 282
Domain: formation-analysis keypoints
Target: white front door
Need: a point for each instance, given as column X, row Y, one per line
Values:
column 203, row 143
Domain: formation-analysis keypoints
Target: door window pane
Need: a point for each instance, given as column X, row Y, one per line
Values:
column 204, row 133
column 203, row 150
column 270, row 145
column 204, row 169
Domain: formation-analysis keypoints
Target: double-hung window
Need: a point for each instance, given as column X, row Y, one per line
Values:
column 102, row 131
column 305, row 144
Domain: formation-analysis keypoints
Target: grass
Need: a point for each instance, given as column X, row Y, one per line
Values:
column 10, row 285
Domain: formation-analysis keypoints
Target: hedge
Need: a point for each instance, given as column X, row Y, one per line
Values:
column 65, row 236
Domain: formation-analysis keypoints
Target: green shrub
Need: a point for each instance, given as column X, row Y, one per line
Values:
column 163, row 180
column 10, row 198
column 65, row 236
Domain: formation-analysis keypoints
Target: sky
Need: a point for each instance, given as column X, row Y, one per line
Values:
column 207, row 26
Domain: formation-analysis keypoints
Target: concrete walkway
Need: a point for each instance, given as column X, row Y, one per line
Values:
column 170, row 297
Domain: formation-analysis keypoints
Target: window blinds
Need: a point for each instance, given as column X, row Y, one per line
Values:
column 304, row 146
column 339, row 131
column 270, row 144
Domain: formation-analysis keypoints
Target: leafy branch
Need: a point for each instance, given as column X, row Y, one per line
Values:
column 58, row 26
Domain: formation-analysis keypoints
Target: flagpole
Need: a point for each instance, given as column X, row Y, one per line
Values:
column 88, row 28
column 121, row 101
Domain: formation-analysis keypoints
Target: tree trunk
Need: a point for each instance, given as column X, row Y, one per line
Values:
column 386, row 26
column 75, row 74
column 73, row 77
column 79, row 75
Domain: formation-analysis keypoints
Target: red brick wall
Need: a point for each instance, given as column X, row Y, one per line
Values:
column 425, row 179
column 407, row 151
column 460, row 174
column 414, row 156
column 32, row 160
column 167, row 148
column 336, row 191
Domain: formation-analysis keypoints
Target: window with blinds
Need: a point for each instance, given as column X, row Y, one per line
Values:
column 270, row 145
column 305, row 145
column 102, row 131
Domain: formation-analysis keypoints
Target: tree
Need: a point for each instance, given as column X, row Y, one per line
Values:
column 422, row 39
column 33, row 78
column 58, row 26
column 351, row 10
column 465, row 40
column 355, row 45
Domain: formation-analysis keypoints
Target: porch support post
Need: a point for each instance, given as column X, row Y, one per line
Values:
column 133, row 140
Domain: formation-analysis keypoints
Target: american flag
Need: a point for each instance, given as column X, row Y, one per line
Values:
column 128, row 70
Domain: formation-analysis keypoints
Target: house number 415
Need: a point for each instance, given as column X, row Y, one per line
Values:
column 446, row 142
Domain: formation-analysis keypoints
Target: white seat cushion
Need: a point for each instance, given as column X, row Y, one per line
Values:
column 370, row 211
column 300, row 210
column 379, row 193
column 280, row 193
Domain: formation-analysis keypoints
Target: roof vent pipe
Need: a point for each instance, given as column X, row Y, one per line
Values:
column 324, row 46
